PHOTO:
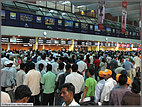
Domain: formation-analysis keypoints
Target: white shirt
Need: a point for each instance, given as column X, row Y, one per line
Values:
column 108, row 59
column 5, row 98
column 98, row 90
column 55, row 66
column 109, row 84
column 32, row 80
column 91, row 59
column 82, row 66
column 77, row 80
column 137, row 61
column 20, row 77
column 39, row 62
column 73, row 103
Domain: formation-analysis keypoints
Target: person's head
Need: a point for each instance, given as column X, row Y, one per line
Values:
column 56, row 59
column 74, row 67
column 104, row 60
column 29, row 58
column 90, row 72
column 67, row 92
column 22, row 66
column 8, row 63
column 40, row 67
column 122, row 80
column 43, row 57
column 107, row 73
column 22, row 94
column 49, row 67
column 61, row 66
column 68, row 67
column 124, row 72
column 136, row 86
column 32, row 66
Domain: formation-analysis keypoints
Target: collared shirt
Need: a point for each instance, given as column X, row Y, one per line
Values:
column 119, row 69
column 42, row 73
column 109, row 84
column 81, row 66
column 20, row 77
column 117, row 94
column 14, row 71
column 48, row 80
column 55, row 66
column 91, row 59
column 32, row 80
column 98, row 90
column 6, row 77
column 77, row 80
column 5, row 98
column 97, row 62
column 73, row 103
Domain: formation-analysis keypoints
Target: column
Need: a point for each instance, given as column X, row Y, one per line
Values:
column 116, row 48
column 8, row 46
column 131, row 48
column 71, row 48
column 98, row 47
column 43, row 47
column 118, row 18
column 35, row 46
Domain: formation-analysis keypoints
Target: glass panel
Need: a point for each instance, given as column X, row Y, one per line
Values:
column 76, row 10
column 68, row 8
column 33, row 7
column 71, row 15
column 75, row 19
column 51, row 4
column 57, row 15
column 60, row 6
column 39, row 13
column 81, row 18
column 21, row 5
column 47, row 14
column 8, row 3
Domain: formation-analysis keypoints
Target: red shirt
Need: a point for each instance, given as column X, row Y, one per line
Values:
column 96, row 62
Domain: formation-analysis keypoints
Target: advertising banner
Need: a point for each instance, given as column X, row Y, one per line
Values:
column 101, row 15
column 123, row 22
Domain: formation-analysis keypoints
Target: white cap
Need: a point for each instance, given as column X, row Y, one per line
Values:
column 8, row 62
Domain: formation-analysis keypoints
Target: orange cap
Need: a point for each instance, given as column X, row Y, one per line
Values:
column 107, row 72
column 117, row 77
column 101, row 73
column 128, row 80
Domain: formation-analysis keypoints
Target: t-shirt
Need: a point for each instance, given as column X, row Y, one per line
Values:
column 91, row 84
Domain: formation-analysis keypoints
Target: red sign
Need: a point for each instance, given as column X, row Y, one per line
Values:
column 124, row 4
column 101, row 27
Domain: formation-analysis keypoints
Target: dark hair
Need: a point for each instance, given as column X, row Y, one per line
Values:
column 22, row 66
column 68, row 66
column 41, row 66
column 43, row 57
column 104, row 60
column 49, row 67
column 22, row 91
column 32, row 66
column 74, row 68
column 61, row 65
column 122, row 79
column 91, row 71
column 124, row 72
column 88, row 59
column 56, row 59
column 28, row 58
column 136, row 85
column 69, row 86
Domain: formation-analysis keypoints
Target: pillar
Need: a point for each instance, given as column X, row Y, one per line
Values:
column 35, row 46
column 8, row 46
column 43, row 47
column 116, row 48
column 71, row 48
column 98, row 47
column 131, row 48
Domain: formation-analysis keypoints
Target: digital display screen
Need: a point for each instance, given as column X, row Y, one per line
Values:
column 84, row 26
column 48, row 41
column 49, row 21
column 90, row 43
column 38, row 19
column 91, row 27
column 40, row 41
column 76, row 25
column 63, row 42
column 134, row 33
column 13, row 39
column 82, row 43
column 56, row 42
column 3, row 14
column 4, row 40
column 26, row 17
column 96, row 28
column 13, row 15
column 75, row 42
column 60, row 22
column 113, row 30
column 69, row 24
column 126, row 33
column 69, row 42
column 108, row 30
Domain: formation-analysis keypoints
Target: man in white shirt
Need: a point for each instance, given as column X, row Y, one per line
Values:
column 67, row 93
column 21, row 75
column 77, row 80
column 5, row 98
column 99, row 87
column 137, row 61
column 82, row 66
column 109, row 84
column 55, row 66
column 32, row 80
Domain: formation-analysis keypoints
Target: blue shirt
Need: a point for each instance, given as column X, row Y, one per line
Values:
column 127, row 65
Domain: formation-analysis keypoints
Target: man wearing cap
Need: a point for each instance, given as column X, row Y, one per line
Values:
column 109, row 84
column 99, row 87
column 117, row 94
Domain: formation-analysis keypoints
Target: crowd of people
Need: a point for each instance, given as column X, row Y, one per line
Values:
column 71, row 78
